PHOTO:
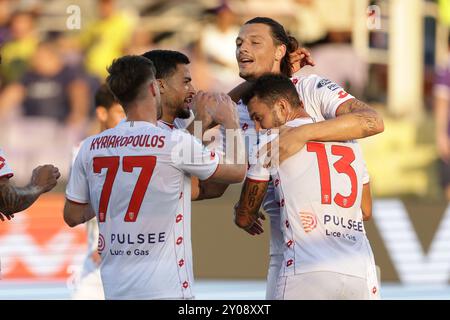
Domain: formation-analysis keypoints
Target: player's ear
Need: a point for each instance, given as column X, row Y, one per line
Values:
column 154, row 88
column 101, row 113
column 280, row 52
column 161, row 85
column 283, row 107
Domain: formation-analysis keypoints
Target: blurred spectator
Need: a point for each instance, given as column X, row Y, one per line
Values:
column 444, row 12
column 311, row 25
column 141, row 41
column 5, row 16
column 18, row 50
column 218, row 46
column 339, row 61
column 442, row 118
column 50, row 89
column 105, row 39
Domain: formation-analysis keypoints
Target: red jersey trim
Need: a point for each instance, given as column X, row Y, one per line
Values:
column 80, row 203
column 7, row 176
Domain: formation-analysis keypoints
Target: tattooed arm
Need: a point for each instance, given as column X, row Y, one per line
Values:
column 246, row 212
column 354, row 120
column 15, row 199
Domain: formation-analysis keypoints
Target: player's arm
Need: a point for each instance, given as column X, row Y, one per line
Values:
column 354, row 120
column 77, row 213
column 15, row 199
column 77, row 208
column 201, row 190
column 246, row 212
column 366, row 202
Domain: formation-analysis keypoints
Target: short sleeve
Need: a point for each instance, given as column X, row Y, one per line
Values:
column 324, row 93
column 5, row 170
column 77, row 189
column 189, row 155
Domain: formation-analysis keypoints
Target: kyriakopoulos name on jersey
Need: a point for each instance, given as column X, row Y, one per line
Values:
column 114, row 141
column 339, row 221
column 126, row 238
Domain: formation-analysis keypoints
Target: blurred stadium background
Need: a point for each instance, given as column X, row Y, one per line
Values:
column 386, row 53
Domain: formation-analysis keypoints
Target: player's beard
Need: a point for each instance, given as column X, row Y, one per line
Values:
column 276, row 120
column 182, row 113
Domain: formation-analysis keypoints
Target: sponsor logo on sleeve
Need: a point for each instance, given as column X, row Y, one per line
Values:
column 323, row 83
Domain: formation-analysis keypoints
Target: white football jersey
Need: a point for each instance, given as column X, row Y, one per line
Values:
column 92, row 231
column 5, row 170
column 320, row 98
column 320, row 191
column 134, row 176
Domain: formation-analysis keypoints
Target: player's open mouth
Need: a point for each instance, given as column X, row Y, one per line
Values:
column 188, row 102
column 245, row 61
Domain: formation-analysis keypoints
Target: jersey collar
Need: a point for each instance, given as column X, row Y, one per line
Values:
column 134, row 124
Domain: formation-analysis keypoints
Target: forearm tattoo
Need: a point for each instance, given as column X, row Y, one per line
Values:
column 370, row 120
column 13, row 199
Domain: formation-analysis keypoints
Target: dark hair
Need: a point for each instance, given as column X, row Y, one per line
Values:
column 104, row 97
column 166, row 61
column 279, row 36
column 272, row 87
column 127, row 76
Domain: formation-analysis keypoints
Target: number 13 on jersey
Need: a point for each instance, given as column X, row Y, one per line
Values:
column 343, row 165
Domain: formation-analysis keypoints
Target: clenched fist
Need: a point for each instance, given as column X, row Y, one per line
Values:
column 45, row 177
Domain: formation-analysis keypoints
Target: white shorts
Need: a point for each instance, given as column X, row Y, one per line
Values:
column 275, row 263
column 89, row 287
column 324, row 285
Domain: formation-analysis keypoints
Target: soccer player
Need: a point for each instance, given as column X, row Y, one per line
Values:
column 15, row 199
column 326, row 254
column 175, row 85
column 89, row 286
column 263, row 46
column 135, row 177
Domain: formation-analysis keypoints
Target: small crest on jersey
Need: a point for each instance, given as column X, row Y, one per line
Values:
column 309, row 221
column 2, row 162
column 342, row 94
column 323, row 83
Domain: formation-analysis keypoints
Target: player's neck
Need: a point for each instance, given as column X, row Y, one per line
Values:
column 167, row 118
column 296, row 114
column 142, row 112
